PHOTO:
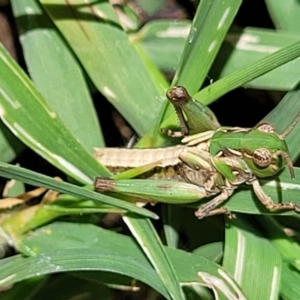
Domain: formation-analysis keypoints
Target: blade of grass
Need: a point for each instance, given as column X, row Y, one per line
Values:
column 209, row 27
column 19, row 222
column 252, row 260
column 239, row 77
column 163, row 42
column 285, row 14
column 36, row 179
column 56, row 73
column 87, row 247
column 288, row 248
column 290, row 252
column 92, row 31
column 27, row 115
column 18, row 268
column 149, row 241
column 289, row 286
column 242, row 48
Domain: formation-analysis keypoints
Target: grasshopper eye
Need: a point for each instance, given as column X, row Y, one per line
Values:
column 266, row 128
column 262, row 157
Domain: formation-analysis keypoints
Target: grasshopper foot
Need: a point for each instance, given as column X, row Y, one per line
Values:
column 296, row 208
column 200, row 214
column 284, row 206
column 209, row 209
column 268, row 202
column 174, row 134
column 103, row 184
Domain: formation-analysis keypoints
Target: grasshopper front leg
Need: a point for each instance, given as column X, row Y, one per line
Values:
column 209, row 209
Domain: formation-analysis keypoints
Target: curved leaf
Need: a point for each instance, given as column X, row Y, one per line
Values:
column 25, row 112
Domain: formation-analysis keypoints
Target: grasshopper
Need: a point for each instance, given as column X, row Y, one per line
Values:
column 212, row 161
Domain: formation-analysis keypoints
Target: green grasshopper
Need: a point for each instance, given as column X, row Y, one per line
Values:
column 214, row 160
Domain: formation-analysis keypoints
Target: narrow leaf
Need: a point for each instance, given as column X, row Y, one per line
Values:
column 56, row 73
column 149, row 241
column 252, row 261
column 25, row 112
column 93, row 32
column 37, row 179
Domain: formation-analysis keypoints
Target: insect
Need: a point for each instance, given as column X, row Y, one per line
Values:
column 212, row 161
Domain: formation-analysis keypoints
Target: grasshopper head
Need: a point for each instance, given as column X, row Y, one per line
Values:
column 178, row 95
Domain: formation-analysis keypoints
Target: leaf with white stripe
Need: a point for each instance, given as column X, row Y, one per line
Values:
column 252, row 260
column 25, row 112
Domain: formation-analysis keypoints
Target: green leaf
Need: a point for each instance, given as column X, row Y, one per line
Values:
column 290, row 282
column 243, row 48
column 56, row 73
column 290, row 252
column 251, row 260
column 239, row 77
column 79, row 259
column 25, row 112
column 149, row 241
column 163, row 41
column 285, row 14
column 209, row 27
column 68, row 247
column 36, row 179
column 94, row 34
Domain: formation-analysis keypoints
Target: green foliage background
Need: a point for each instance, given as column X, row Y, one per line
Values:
column 74, row 47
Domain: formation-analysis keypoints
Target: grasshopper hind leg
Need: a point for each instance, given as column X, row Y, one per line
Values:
column 268, row 202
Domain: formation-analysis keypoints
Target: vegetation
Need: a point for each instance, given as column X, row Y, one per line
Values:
column 72, row 50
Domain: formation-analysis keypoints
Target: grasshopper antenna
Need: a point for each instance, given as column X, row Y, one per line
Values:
column 289, row 163
column 284, row 154
column 290, row 128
